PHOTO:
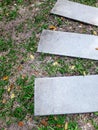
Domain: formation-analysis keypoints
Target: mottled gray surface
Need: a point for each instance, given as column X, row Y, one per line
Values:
column 76, row 11
column 69, row 44
column 65, row 95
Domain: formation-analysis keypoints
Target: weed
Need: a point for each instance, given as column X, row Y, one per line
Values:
column 4, row 45
column 73, row 126
column 95, row 125
column 19, row 113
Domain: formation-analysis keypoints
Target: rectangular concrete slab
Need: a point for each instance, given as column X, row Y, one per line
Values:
column 69, row 44
column 66, row 95
column 76, row 11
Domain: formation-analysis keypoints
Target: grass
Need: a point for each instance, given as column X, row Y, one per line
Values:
column 90, row 2
column 77, row 66
column 17, row 88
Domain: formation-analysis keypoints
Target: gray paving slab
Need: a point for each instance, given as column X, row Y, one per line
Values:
column 69, row 44
column 66, row 95
column 76, row 11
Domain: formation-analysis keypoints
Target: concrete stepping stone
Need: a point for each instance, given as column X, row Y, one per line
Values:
column 66, row 95
column 69, row 44
column 76, row 11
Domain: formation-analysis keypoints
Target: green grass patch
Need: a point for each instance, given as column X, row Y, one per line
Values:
column 87, row 2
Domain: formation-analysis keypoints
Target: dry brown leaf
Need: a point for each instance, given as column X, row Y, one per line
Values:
column 10, row 87
column 19, row 67
column 96, row 48
column 5, row 78
column 20, row 124
column 52, row 27
column 66, row 126
column 4, row 101
column 59, row 126
column 44, row 122
column 23, row 76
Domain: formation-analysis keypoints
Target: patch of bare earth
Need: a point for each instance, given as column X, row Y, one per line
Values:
column 85, row 123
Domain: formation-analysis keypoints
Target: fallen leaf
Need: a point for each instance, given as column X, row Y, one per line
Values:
column 19, row 67
column 44, row 122
column 96, row 48
column 55, row 63
column 72, row 67
column 55, row 118
column 80, row 26
column 9, row 89
column 5, row 78
column 23, row 76
column 18, row 87
column 52, row 27
column 62, row 18
column 7, row 14
column 66, row 126
column 94, row 32
column 4, row 101
column 59, row 126
column 12, row 85
column 84, row 73
column 46, row 118
column 32, row 57
column 12, row 96
column 20, row 124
